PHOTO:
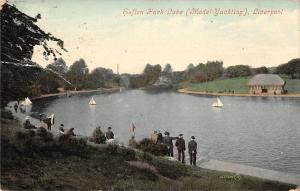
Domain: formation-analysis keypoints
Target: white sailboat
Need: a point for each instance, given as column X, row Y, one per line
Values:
column 92, row 102
column 218, row 103
column 26, row 102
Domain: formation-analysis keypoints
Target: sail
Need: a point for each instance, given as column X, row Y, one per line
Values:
column 52, row 118
column 92, row 102
column 220, row 104
column 27, row 101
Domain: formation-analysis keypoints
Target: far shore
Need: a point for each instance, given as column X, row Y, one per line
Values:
column 73, row 92
column 235, row 94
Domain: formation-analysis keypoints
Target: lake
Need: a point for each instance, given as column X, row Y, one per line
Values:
column 255, row 131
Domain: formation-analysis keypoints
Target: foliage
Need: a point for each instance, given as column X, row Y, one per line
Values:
column 59, row 66
column 168, row 70
column 147, row 145
column 261, row 70
column 78, row 73
column 238, row 71
column 214, row 69
column 151, row 73
column 291, row 68
column 19, row 34
column 202, row 72
column 48, row 82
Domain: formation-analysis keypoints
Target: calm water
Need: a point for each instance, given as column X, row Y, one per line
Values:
column 260, row 132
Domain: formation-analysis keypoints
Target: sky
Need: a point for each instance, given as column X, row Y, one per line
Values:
column 105, row 34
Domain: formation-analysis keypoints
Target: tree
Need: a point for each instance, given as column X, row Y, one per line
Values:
column 238, row 71
column 78, row 73
column 168, row 69
column 261, row 70
column 291, row 68
column 99, row 77
column 214, row 69
column 190, row 67
column 19, row 34
column 59, row 66
column 151, row 73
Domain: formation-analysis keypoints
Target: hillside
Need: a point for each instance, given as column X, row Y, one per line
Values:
column 238, row 85
column 32, row 162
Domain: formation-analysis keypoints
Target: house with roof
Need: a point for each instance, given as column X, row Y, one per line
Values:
column 266, row 84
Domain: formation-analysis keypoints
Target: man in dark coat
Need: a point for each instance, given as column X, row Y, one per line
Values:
column 109, row 134
column 167, row 140
column 16, row 107
column 192, row 151
column 180, row 144
column 159, row 138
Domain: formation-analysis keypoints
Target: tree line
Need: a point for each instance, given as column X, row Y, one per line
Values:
column 81, row 78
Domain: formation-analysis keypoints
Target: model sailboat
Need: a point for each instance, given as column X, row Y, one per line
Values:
column 218, row 103
column 26, row 102
column 92, row 102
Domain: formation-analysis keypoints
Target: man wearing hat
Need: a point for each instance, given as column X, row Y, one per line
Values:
column 61, row 129
column 109, row 134
column 192, row 150
column 180, row 144
column 167, row 140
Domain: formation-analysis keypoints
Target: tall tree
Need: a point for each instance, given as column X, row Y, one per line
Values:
column 59, row 66
column 78, row 73
column 291, row 68
column 19, row 34
column 168, row 69
column 214, row 69
column 261, row 70
column 238, row 71
column 151, row 73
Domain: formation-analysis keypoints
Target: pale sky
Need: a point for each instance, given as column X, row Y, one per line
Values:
column 98, row 31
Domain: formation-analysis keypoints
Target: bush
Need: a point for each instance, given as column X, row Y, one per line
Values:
column 147, row 145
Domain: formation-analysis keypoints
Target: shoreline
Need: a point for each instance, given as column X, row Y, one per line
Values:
column 185, row 91
column 212, row 164
column 73, row 92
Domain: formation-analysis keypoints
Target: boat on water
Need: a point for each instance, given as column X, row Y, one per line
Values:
column 26, row 102
column 218, row 103
column 92, row 102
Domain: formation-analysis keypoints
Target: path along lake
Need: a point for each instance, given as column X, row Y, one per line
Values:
column 256, row 131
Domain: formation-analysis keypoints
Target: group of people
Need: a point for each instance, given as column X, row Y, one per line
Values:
column 157, row 138
column 18, row 106
column 100, row 138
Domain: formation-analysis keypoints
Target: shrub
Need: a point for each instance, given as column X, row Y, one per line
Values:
column 147, row 145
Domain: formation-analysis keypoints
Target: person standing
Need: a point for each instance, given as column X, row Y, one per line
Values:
column 154, row 137
column 70, row 132
column 180, row 144
column 97, row 134
column 16, row 107
column 109, row 134
column 192, row 145
column 159, row 138
column 167, row 140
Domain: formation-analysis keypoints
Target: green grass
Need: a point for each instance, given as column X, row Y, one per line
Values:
column 292, row 85
column 238, row 85
column 29, row 165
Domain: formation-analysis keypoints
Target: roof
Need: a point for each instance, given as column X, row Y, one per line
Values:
column 266, row 79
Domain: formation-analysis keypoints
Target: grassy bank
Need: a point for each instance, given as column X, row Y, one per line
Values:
column 31, row 162
column 238, row 85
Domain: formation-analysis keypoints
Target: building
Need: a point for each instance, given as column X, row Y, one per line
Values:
column 266, row 84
